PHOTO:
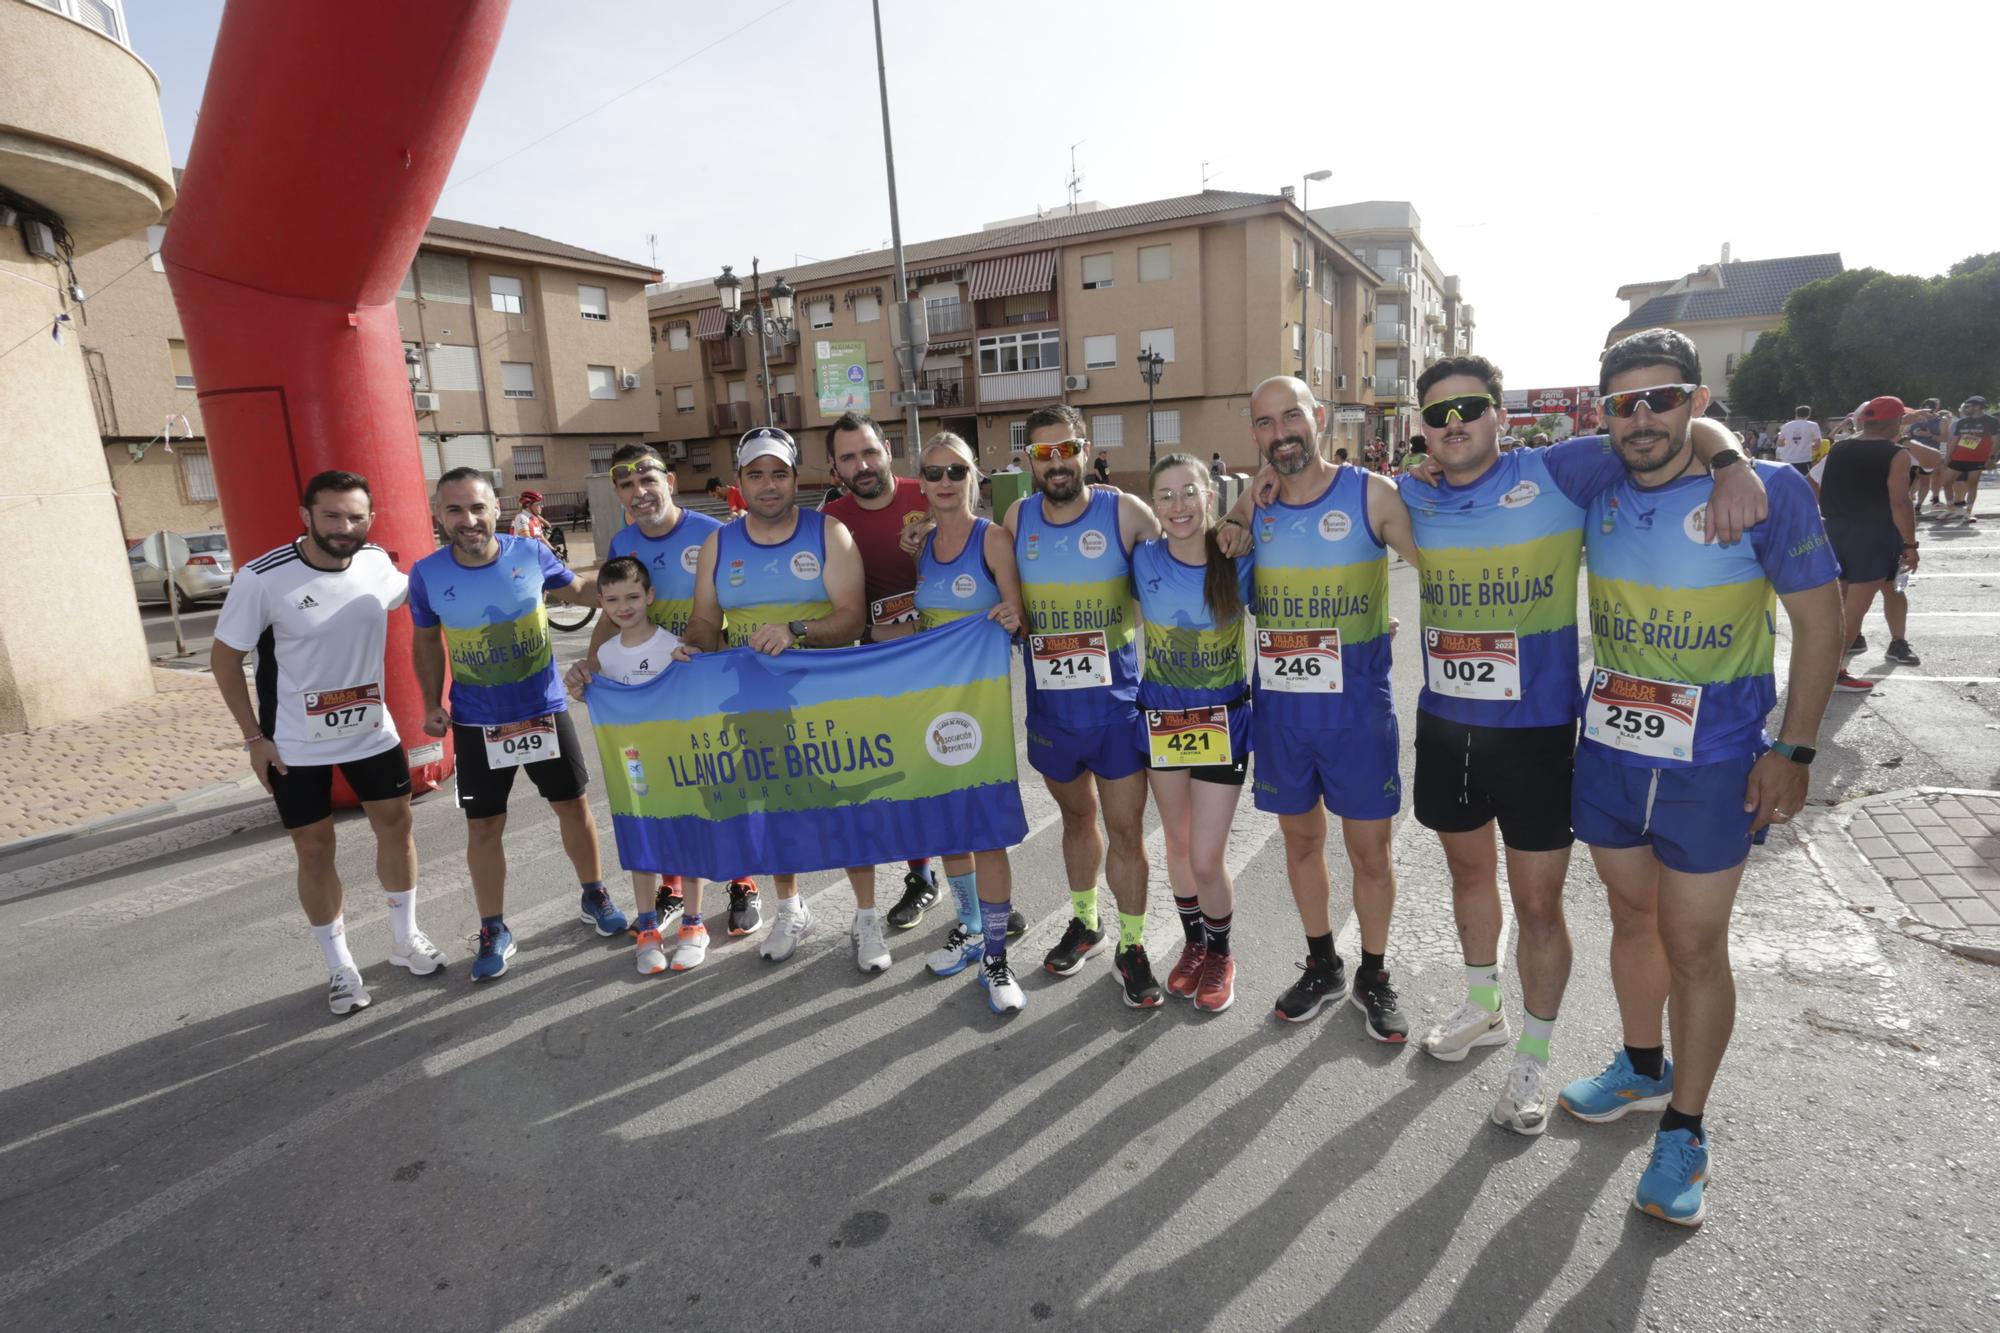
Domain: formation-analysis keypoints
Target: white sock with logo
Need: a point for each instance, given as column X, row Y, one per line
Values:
column 333, row 943
column 402, row 914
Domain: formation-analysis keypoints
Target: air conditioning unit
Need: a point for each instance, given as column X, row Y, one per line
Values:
column 426, row 402
column 1316, row 375
column 492, row 475
column 677, row 451
column 1075, row 383
column 628, row 379
column 1303, row 277
column 1340, row 381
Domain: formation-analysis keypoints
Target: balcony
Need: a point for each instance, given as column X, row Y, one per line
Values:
column 783, row 351
column 724, row 353
column 948, row 385
column 948, row 317
column 1021, row 386
column 1392, row 333
column 729, row 418
column 1391, row 386
column 787, row 412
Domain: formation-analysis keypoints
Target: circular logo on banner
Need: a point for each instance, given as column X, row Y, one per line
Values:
column 964, row 586
column 1695, row 525
column 952, row 739
column 1092, row 544
column 805, row 565
column 1524, row 494
column 690, row 557
column 1334, row 525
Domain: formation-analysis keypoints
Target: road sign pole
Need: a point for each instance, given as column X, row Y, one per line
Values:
column 174, row 610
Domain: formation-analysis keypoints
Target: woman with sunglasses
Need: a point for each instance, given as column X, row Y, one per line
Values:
column 1195, row 702
column 966, row 568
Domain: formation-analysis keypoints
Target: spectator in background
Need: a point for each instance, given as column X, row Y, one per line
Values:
column 1929, row 426
column 1871, row 524
column 1102, row 467
column 1798, row 439
column 1971, row 450
column 728, row 495
column 1216, row 467
column 529, row 522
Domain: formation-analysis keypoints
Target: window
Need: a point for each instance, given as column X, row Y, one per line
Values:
column 1325, row 281
column 677, row 337
column 422, row 379
column 1167, row 426
column 408, row 291
column 1108, row 431
column 867, row 309
column 684, row 398
column 197, row 475
column 593, row 302
column 517, row 379
column 455, row 367
column 819, row 313
column 785, row 384
column 1100, row 351
column 876, row 382
column 1156, row 263
column 1017, row 435
column 1298, row 254
column 177, row 352
column 440, row 456
column 1298, row 338
column 155, row 238
column 603, row 381
column 1096, row 271
column 739, row 391
column 600, row 457
column 1007, row 353
column 506, row 293
column 444, row 278
column 529, row 464
column 1160, row 340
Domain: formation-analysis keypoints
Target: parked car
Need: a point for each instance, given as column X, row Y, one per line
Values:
column 207, row 573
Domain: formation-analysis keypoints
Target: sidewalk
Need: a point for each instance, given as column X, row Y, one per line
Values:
column 1926, row 860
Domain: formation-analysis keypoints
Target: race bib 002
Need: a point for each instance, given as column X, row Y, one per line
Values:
column 1650, row 717
column 1471, row 664
column 338, row 715
column 518, row 743
column 1299, row 661
column 1188, row 737
column 1070, row 661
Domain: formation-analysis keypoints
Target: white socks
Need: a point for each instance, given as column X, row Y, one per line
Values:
column 333, row 943
column 402, row 914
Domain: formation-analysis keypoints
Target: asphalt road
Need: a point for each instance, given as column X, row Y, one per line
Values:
column 188, row 1141
column 197, row 627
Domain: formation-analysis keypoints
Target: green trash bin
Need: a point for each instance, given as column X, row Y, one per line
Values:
column 1007, row 488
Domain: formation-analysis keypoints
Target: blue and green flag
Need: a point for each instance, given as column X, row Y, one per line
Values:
column 740, row 763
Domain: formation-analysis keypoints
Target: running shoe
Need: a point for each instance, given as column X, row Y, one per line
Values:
column 418, row 954
column 1135, row 975
column 1470, row 1027
column 1619, row 1089
column 746, row 910
column 1003, row 992
column 650, row 950
column 496, row 946
column 595, row 909
column 1846, row 684
column 667, row 899
column 1016, row 923
column 1900, row 651
column 793, row 922
column 962, row 948
column 1675, row 1180
column 1524, row 1107
column 1217, row 989
column 920, row 892
column 1375, row 997
column 690, row 947
column 1319, row 985
column 1186, row 976
column 871, row 951
column 1860, row 645
column 1077, row 943
column 344, row 991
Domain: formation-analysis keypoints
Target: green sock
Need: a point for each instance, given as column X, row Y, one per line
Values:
column 1085, row 906
column 1482, row 985
column 1131, row 929
column 1535, row 1037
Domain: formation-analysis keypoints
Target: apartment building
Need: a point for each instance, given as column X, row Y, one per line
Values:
column 528, row 358
column 1722, row 307
column 1228, row 288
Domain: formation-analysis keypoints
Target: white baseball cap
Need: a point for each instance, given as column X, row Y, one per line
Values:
column 767, row 442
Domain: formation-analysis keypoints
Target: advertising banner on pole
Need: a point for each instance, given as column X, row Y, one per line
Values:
column 841, row 371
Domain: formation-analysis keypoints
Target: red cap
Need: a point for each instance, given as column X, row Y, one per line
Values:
column 1881, row 409
column 535, row 497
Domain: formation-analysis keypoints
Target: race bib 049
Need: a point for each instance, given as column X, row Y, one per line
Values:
column 336, row 715
column 1470, row 664
column 1299, row 661
column 1188, row 737
column 517, row 743
column 1070, row 661
column 1650, row 717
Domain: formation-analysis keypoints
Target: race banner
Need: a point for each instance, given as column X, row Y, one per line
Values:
column 739, row 763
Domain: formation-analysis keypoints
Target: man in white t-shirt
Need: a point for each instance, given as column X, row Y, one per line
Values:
column 316, row 611
column 1798, row 439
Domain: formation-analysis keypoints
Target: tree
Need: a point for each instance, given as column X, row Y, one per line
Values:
column 1757, row 389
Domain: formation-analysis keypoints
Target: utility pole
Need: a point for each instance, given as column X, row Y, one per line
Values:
column 911, row 330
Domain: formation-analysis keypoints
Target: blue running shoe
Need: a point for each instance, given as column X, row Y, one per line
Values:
column 1676, row 1179
column 1619, row 1089
column 596, row 910
column 495, row 948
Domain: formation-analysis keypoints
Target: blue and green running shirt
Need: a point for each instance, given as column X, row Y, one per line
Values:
column 949, row 590
column 496, row 629
column 1076, row 584
column 670, row 562
column 1498, row 571
column 1668, row 606
column 770, row 585
column 1191, row 661
column 1321, row 566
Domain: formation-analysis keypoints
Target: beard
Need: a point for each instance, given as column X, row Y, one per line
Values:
column 339, row 548
column 1676, row 445
column 867, row 485
column 1063, row 486
column 1291, row 467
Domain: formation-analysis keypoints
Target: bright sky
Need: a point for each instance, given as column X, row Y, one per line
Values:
column 1554, row 151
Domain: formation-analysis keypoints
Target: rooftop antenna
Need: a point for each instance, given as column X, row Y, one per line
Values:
column 1206, row 176
column 653, row 243
column 1075, row 180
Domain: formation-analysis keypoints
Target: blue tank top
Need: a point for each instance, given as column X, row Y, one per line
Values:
column 952, row 590
column 1192, row 660
column 1076, row 580
column 670, row 561
column 770, row 585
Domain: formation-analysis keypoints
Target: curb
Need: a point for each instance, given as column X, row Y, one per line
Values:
column 1850, row 875
column 103, row 823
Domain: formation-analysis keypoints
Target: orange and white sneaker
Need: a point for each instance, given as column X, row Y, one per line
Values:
column 1216, row 990
column 691, row 948
column 1186, row 975
column 650, row 951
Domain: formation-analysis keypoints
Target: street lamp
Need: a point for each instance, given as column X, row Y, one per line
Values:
column 1305, row 251
column 1150, row 364
column 760, row 319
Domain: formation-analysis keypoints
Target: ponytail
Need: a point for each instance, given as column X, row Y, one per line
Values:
column 1219, row 588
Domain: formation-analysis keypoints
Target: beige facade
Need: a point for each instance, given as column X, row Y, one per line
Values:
column 83, row 160
column 1047, row 310
column 1723, row 307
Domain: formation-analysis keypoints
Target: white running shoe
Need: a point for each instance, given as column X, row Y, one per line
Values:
column 649, row 952
column 1003, row 991
column 691, row 948
column 1525, row 1106
column 1472, row 1026
column 871, row 951
column 794, row 922
column 418, row 954
column 961, row 950
column 344, row 991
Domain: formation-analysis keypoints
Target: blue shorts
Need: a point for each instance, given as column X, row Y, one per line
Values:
column 1116, row 750
column 1692, row 817
column 1352, row 769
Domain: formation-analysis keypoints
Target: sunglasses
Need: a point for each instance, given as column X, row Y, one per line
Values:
column 620, row 471
column 1465, row 407
column 1042, row 453
column 938, row 472
column 1660, row 398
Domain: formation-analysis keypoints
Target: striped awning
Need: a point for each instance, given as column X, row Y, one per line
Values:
column 954, row 347
column 934, row 270
column 854, row 292
column 711, row 323
column 1016, row 275
column 673, row 324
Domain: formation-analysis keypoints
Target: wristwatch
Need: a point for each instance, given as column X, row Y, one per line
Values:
column 798, row 629
column 1724, row 458
column 1798, row 754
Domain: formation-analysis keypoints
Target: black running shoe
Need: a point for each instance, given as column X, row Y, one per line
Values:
column 1319, row 985
column 1016, row 924
column 1375, row 997
column 1900, row 651
column 1135, row 970
column 746, row 913
column 1860, row 645
column 1078, row 943
column 667, row 898
column 920, row 891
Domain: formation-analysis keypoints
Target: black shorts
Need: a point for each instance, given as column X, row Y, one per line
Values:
column 1867, row 553
column 482, row 791
column 305, row 794
column 1965, row 467
column 1520, row 776
column 1222, row 775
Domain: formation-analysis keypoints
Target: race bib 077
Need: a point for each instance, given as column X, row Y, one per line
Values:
column 337, row 715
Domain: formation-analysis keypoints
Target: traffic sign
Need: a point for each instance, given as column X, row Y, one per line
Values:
column 165, row 551
column 914, row 398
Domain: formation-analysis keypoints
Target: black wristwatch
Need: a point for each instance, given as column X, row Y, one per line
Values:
column 798, row 629
column 1724, row 458
column 1798, row 754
